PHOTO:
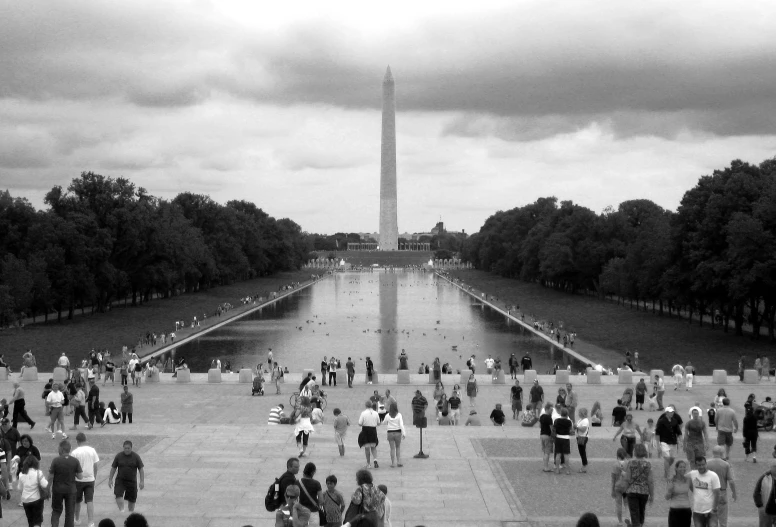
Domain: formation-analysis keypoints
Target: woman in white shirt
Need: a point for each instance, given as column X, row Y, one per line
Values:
column 304, row 427
column 54, row 402
column 394, row 423
column 29, row 479
column 369, row 420
column 111, row 416
column 583, row 429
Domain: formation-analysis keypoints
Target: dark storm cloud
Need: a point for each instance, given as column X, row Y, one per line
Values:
column 533, row 70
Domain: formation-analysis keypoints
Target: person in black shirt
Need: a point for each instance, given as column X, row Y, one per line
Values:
column 563, row 426
column 497, row 416
column 545, row 434
column 526, row 362
column 289, row 476
column 618, row 413
column 516, row 397
column 312, row 486
column 668, row 429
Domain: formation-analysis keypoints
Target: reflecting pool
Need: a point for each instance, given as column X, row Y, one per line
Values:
column 373, row 315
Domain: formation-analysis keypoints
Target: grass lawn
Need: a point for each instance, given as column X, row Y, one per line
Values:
column 605, row 330
column 123, row 326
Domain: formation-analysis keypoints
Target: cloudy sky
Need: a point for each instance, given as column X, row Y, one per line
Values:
column 498, row 103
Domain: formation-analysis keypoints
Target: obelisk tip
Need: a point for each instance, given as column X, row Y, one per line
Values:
column 388, row 76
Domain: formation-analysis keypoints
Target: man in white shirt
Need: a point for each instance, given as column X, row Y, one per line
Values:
column 489, row 364
column 678, row 371
column 705, row 491
column 64, row 362
column 84, row 485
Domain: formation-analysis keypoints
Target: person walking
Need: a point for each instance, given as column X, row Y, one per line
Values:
column 727, row 426
column 63, row 471
column 84, row 484
column 304, row 428
column 537, row 396
column 751, row 434
column 582, row 427
column 704, row 485
column 394, row 424
column 472, row 389
column 19, row 412
column 351, row 368
column 79, row 407
column 641, row 391
column 31, row 480
column 660, row 388
column 311, row 493
column 689, row 375
column 724, row 472
column 369, row 420
column 696, row 439
column 127, row 403
column 571, row 402
column 341, row 424
column 765, row 497
column 54, row 404
column 277, row 375
column 641, row 485
column 93, row 404
column 333, row 372
column 516, row 397
column 324, row 370
column 629, row 431
column 668, row 429
column 370, row 370
column 514, row 364
column 678, row 496
column 125, row 467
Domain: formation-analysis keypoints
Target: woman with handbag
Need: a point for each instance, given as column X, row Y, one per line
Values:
column 367, row 502
column 34, row 491
column 311, row 495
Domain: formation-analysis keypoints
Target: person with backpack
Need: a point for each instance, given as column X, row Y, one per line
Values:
column 276, row 494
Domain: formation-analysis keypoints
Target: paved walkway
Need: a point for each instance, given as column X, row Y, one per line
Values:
column 210, row 457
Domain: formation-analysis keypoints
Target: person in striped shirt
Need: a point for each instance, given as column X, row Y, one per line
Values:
column 275, row 415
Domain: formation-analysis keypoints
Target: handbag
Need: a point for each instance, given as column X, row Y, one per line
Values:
column 44, row 491
column 353, row 512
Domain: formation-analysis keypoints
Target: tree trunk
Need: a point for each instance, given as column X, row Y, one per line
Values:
column 701, row 309
column 754, row 312
column 661, row 308
column 739, row 319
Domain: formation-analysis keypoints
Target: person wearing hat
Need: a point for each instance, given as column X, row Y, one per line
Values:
column 668, row 429
column 473, row 419
column 292, row 513
column 537, row 397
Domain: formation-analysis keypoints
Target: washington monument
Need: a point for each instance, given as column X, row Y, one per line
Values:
column 389, row 228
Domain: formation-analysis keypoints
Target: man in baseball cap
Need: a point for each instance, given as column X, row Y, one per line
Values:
column 668, row 429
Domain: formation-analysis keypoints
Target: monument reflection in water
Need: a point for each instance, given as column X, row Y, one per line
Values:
column 372, row 314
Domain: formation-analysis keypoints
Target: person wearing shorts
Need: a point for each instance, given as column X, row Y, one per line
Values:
column 727, row 425
column 109, row 372
column 341, row 424
column 455, row 408
column 126, row 466
column 54, row 402
column 84, row 485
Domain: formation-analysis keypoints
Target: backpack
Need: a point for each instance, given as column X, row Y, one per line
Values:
column 273, row 500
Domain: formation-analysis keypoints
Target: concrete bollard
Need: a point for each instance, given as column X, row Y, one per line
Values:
column 30, row 374
column 183, row 375
column 214, row 375
column 403, row 377
column 465, row 376
column 562, row 377
column 652, row 374
column 59, row 375
column 498, row 377
column 593, row 377
column 719, row 377
column 751, row 377
column 625, row 377
column 3, row 373
column 431, row 379
column 246, row 376
column 529, row 376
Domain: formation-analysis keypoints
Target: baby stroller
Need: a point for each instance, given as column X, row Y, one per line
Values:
column 627, row 397
column 258, row 386
column 765, row 416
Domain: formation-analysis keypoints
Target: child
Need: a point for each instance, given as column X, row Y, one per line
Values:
column 341, row 424
column 333, row 502
column 385, row 519
column 649, row 439
column 652, row 399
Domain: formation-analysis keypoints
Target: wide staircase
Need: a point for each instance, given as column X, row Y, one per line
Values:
column 385, row 258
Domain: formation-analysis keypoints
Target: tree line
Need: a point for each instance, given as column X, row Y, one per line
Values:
column 714, row 256
column 103, row 240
